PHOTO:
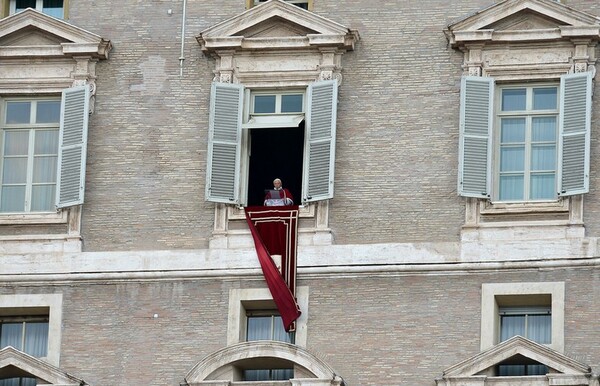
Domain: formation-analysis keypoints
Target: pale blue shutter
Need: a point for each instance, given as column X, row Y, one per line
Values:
column 74, row 113
column 224, row 143
column 319, row 149
column 574, row 126
column 476, row 118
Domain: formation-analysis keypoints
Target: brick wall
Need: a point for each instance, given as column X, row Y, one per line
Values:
column 377, row 329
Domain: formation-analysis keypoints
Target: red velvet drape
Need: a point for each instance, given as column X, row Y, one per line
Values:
column 274, row 230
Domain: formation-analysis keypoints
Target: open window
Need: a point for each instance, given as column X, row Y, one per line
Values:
column 272, row 57
column 277, row 138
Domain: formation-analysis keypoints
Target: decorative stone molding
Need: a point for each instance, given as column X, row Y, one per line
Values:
column 479, row 369
column 57, row 54
column 212, row 370
column 525, row 39
column 19, row 363
column 277, row 44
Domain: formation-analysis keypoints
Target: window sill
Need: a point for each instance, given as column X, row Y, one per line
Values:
column 59, row 217
column 497, row 208
column 237, row 212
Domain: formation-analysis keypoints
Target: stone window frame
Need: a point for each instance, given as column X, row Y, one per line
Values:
column 241, row 298
column 24, row 304
column 490, row 317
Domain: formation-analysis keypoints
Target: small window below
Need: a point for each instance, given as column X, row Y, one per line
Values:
column 518, row 366
column 534, row 311
column 28, row 334
column 267, row 325
column 55, row 8
column 25, row 333
column 533, row 323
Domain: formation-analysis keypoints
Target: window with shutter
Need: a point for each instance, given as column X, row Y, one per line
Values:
column 287, row 134
column 43, row 147
column 525, row 142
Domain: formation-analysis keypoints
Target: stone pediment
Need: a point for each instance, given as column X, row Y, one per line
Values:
column 524, row 20
column 276, row 24
column 32, row 33
column 14, row 363
column 476, row 369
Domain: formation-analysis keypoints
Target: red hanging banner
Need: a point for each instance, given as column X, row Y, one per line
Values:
column 275, row 234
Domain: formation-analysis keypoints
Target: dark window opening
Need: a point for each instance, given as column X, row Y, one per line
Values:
column 520, row 365
column 275, row 153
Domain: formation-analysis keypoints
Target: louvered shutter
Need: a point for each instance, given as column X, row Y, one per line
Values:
column 574, row 126
column 476, row 117
column 74, row 113
column 319, row 150
column 224, row 143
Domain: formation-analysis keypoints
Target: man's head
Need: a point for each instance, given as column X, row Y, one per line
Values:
column 277, row 183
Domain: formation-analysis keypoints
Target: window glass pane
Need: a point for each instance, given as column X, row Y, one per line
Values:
column 259, row 328
column 11, row 335
column 18, row 112
column 46, row 142
column 256, row 375
column 511, row 187
column 264, row 104
column 512, row 130
column 16, row 142
column 543, row 157
column 279, row 332
column 512, row 158
column 36, row 339
column 537, row 370
column 53, row 8
column 511, row 325
column 544, row 98
column 48, row 112
column 543, row 129
column 539, row 328
column 291, row 103
column 511, row 370
column 44, row 169
column 14, row 171
column 24, row 4
column 542, row 187
column 282, row 374
column 42, row 198
column 13, row 199
column 514, row 99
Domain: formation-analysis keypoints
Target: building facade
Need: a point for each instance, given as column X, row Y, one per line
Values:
column 443, row 157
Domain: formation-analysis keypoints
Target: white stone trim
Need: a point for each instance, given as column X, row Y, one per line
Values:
column 490, row 317
column 236, row 327
column 28, row 302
